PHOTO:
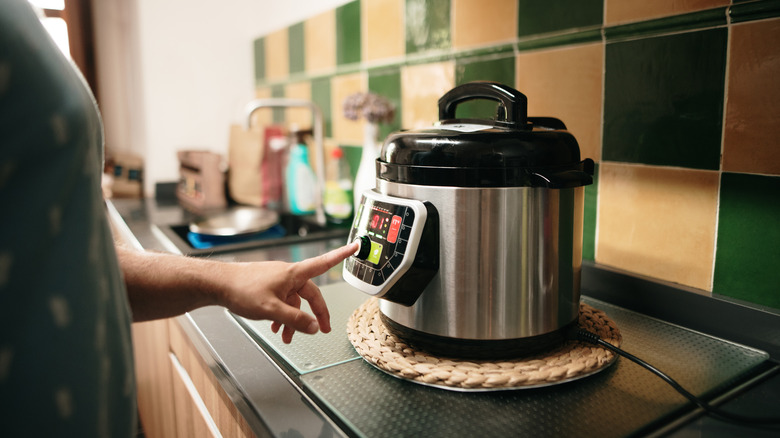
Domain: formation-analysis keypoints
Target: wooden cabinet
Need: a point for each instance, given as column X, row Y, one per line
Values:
column 178, row 395
column 192, row 417
column 224, row 415
column 153, row 376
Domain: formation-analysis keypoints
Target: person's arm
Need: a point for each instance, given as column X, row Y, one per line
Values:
column 164, row 285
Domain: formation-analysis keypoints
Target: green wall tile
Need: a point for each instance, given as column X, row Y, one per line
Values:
column 539, row 16
column 500, row 70
column 677, row 23
column 259, row 53
column 754, row 10
column 427, row 25
column 352, row 153
column 348, row 41
column 278, row 113
column 589, row 220
column 387, row 83
column 748, row 246
column 555, row 40
column 663, row 100
column 320, row 95
column 297, row 54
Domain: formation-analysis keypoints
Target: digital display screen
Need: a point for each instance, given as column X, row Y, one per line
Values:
column 381, row 222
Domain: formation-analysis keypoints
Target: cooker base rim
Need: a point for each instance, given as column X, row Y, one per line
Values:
column 445, row 346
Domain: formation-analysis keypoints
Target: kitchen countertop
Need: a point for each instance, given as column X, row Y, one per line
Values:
column 275, row 402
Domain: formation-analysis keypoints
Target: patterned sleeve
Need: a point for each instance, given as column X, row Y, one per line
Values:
column 65, row 349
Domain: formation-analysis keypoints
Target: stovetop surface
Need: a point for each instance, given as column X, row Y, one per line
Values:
column 622, row 400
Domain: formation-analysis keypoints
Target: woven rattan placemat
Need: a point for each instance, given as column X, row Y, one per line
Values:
column 569, row 361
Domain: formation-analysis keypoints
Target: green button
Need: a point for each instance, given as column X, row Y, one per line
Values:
column 376, row 251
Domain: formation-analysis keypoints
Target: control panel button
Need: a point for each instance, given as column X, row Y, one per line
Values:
column 396, row 260
column 395, row 225
column 375, row 253
column 367, row 275
column 406, row 225
column 400, row 247
column 365, row 247
column 360, row 272
column 379, row 278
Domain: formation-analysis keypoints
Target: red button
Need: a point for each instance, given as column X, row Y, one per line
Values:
column 395, row 225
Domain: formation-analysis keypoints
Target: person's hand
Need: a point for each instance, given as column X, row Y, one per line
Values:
column 273, row 291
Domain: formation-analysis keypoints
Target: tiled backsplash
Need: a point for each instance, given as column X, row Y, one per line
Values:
column 678, row 102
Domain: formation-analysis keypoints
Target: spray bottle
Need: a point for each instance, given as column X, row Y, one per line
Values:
column 300, row 180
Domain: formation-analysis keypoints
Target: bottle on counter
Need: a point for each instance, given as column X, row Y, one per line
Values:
column 366, row 174
column 274, row 155
column 375, row 109
column 301, row 182
column 338, row 189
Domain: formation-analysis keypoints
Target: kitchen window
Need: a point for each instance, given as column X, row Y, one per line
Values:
column 69, row 22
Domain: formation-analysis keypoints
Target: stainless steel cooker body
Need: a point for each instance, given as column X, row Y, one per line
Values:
column 510, row 262
column 473, row 236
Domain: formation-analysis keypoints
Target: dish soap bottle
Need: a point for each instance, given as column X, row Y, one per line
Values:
column 301, row 182
column 338, row 189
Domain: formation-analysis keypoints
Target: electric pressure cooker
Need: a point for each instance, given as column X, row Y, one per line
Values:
column 472, row 237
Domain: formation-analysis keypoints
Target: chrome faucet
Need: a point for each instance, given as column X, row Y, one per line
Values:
column 274, row 102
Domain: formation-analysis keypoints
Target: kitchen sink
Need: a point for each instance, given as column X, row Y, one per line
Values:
column 290, row 230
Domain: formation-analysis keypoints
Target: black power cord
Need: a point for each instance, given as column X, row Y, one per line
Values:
column 714, row 412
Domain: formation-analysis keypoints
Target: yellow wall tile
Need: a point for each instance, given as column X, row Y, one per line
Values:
column 476, row 22
column 383, row 29
column 299, row 116
column 263, row 92
column 346, row 131
column 263, row 117
column 658, row 222
column 277, row 55
column 626, row 11
column 753, row 99
column 566, row 84
column 421, row 88
column 320, row 42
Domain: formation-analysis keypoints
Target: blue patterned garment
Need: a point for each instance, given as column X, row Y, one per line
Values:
column 66, row 365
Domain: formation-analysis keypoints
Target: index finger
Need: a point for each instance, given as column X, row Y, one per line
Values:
column 312, row 294
column 321, row 264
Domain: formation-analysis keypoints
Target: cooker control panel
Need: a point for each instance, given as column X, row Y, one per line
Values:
column 396, row 236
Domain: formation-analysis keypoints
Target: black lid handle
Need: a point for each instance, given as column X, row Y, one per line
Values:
column 513, row 103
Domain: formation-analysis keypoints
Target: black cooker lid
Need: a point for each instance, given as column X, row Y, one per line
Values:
column 511, row 151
